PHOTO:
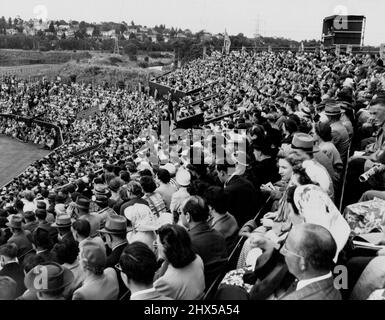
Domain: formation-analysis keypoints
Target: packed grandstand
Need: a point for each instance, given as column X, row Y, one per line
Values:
column 265, row 192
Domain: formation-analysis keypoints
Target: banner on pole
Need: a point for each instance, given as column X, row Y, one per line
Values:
column 349, row 49
column 338, row 49
column 382, row 51
column 226, row 43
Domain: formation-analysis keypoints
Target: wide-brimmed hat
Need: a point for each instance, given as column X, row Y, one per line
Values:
column 54, row 277
column 52, row 195
column 115, row 225
column 83, row 203
column 60, row 209
column 115, row 184
column 62, row 221
column 41, row 205
column 101, row 199
column 16, row 221
column 102, row 190
column 170, row 168
column 333, row 109
column 151, row 223
column 304, row 142
column 28, row 214
column 183, row 177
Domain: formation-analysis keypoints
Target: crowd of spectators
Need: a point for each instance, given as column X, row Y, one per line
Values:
column 116, row 223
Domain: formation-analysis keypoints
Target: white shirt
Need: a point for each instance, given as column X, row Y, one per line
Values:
column 137, row 293
column 303, row 283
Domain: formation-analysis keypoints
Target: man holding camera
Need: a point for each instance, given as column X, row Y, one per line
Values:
column 373, row 156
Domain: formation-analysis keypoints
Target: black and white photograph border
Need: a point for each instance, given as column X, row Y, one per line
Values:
column 213, row 151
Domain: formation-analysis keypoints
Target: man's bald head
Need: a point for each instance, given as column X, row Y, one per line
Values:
column 315, row 244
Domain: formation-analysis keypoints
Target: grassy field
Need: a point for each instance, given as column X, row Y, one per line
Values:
column 91, row 67
column 15, row 157
column 13, row 57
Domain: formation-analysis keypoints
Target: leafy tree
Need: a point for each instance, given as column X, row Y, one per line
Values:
column 3, row 25
column 159, row 38
column 51, row 27
column 96, row 31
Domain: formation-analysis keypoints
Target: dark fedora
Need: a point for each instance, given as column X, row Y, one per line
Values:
column 115, row 225
column 305, row 142
column 333, row 109
column 62, row 221
column 29, row 214
column 83, row 203
column 102, row 190
column 54, row 277
column 15, row 222
column 41, row 205
column 99, row 198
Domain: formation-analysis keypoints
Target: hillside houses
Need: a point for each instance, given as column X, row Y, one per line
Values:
column 105, row 30
column 108, row 34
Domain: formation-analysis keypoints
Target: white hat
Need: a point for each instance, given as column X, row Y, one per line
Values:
column 152, row 223
column 170, row 168
column 183, row 177
column 144, row 165
column 137, row 213
column 318, row 174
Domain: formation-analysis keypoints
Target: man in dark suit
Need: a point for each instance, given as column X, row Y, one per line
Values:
column 309, row 251
column 11, row 267
column 41, row 215
column 43, row 244
column 63, row 225
column 208, row 243
column 115, row 231
column 242, row 198
column 21, row 238
column 138, row 265
column 30, row 221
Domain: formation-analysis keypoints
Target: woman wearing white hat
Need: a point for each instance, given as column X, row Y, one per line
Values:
column 183, row 178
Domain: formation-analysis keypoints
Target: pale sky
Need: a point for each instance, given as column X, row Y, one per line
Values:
column 295, row 19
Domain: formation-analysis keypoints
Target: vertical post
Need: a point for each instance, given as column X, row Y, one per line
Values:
column 363, row 32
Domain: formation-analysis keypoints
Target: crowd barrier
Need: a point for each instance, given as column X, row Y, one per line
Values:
column 42, row 123
column 163, row 90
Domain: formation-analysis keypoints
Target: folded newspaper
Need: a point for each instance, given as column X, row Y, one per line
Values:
column 366, row 217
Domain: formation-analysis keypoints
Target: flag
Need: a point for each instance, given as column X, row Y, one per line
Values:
column 226, row 43
column 349, row 48
column 382, row 51
column 338, row 50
